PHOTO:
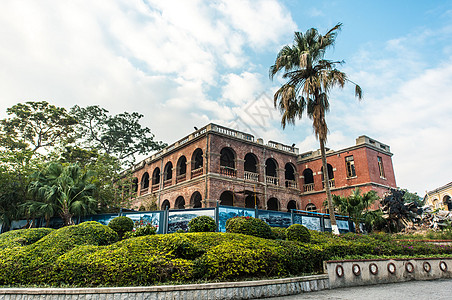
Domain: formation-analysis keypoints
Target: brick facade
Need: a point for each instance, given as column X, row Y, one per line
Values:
column 220, row 165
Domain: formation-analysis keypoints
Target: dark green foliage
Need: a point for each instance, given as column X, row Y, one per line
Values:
column 121, row 225
column 147, row 229
column 35, row 263
column 202, row 224
column 180, row 231
column 249, row 226
column 279, row 233
column 86, row 255
column 22, row 237
column 298, row 232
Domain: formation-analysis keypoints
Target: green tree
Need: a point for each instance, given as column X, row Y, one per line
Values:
column 16, row 166
column 412, row 197
column 67, row 190
column 120, row 135
column 35, row 125
column 355, row 204
column 310, row 78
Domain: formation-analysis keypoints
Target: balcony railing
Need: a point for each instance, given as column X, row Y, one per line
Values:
column 228, row 171
column 331, row 183
column 291, row 184
column 308, row 187
column 181, row 178
column 272, row 180
column 197, row 172
column 251, row 176
column 155, row 187
column 167, row 183
column 144, row 191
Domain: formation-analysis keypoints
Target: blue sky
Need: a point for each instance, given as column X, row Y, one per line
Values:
column 188, row 63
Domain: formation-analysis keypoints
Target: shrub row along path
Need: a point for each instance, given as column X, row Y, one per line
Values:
column 435, row 289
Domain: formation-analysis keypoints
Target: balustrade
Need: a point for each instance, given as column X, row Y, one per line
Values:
column 144, row 191
column 308, row 187
column 197, row 172
column 251, row 176
column 155, row 187
column 272, row 180
column 331, row 183
column 291, row 184
column 180, row 178
column 167, row 183
column 227, row 171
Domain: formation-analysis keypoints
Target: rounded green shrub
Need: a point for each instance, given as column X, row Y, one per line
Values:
column 298, row 232
column 249, row 226
column 121, row 225
column 147, row 229
column 202, row 224
column 279, row 233
column 22, row 237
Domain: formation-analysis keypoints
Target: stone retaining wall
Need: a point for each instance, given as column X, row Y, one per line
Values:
column 365, row 272
column 211, row 291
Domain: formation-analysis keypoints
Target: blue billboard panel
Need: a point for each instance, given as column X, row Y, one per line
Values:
column 179, row 219
column 276, row 218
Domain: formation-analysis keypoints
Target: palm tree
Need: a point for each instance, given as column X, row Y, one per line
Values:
column 310, row 78
column 355, row 204
column 67, row 191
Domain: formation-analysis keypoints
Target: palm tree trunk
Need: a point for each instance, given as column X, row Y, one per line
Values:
column 326, row 182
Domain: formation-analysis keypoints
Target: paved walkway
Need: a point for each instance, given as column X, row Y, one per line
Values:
column 411, row 290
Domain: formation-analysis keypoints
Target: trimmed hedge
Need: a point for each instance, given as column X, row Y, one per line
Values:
column 249, row 226
column 121, row 225
column 299, row 233
column 279, row 233
column 202, row 224
column 87, row 255
column 22, row 237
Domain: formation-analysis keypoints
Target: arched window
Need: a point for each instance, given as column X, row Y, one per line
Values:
column 181, row 167
column 308, row 180
column 291, row 205
column 227, row 198
column 250, row 164
column 165, row 205
column 135, row 185
column 271, row 171
column 227, row 162
column 330, row 176
column 180, row 203
column 195, row 200
column 289, row 175
column 273, row 204
column 251, row 201
column 156, row 176
column 447, row 202
column 145, row 180
column 250, row 167
column 168, row 173
column 197, row 163
column 310, row 207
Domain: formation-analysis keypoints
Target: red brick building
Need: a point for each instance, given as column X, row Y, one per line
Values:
column 219, row 165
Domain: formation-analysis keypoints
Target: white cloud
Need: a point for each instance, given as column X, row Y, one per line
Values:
column 161, row 58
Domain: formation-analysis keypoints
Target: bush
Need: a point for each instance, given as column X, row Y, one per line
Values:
column 202, row 224
column 279, row 233
column 148, row 229
column 249, row 226
column 33, row 263
column 298, row 232
column 121, row 225
column 22, row 237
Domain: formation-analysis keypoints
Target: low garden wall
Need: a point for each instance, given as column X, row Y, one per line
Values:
column 344, row 273
column 211, row 291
